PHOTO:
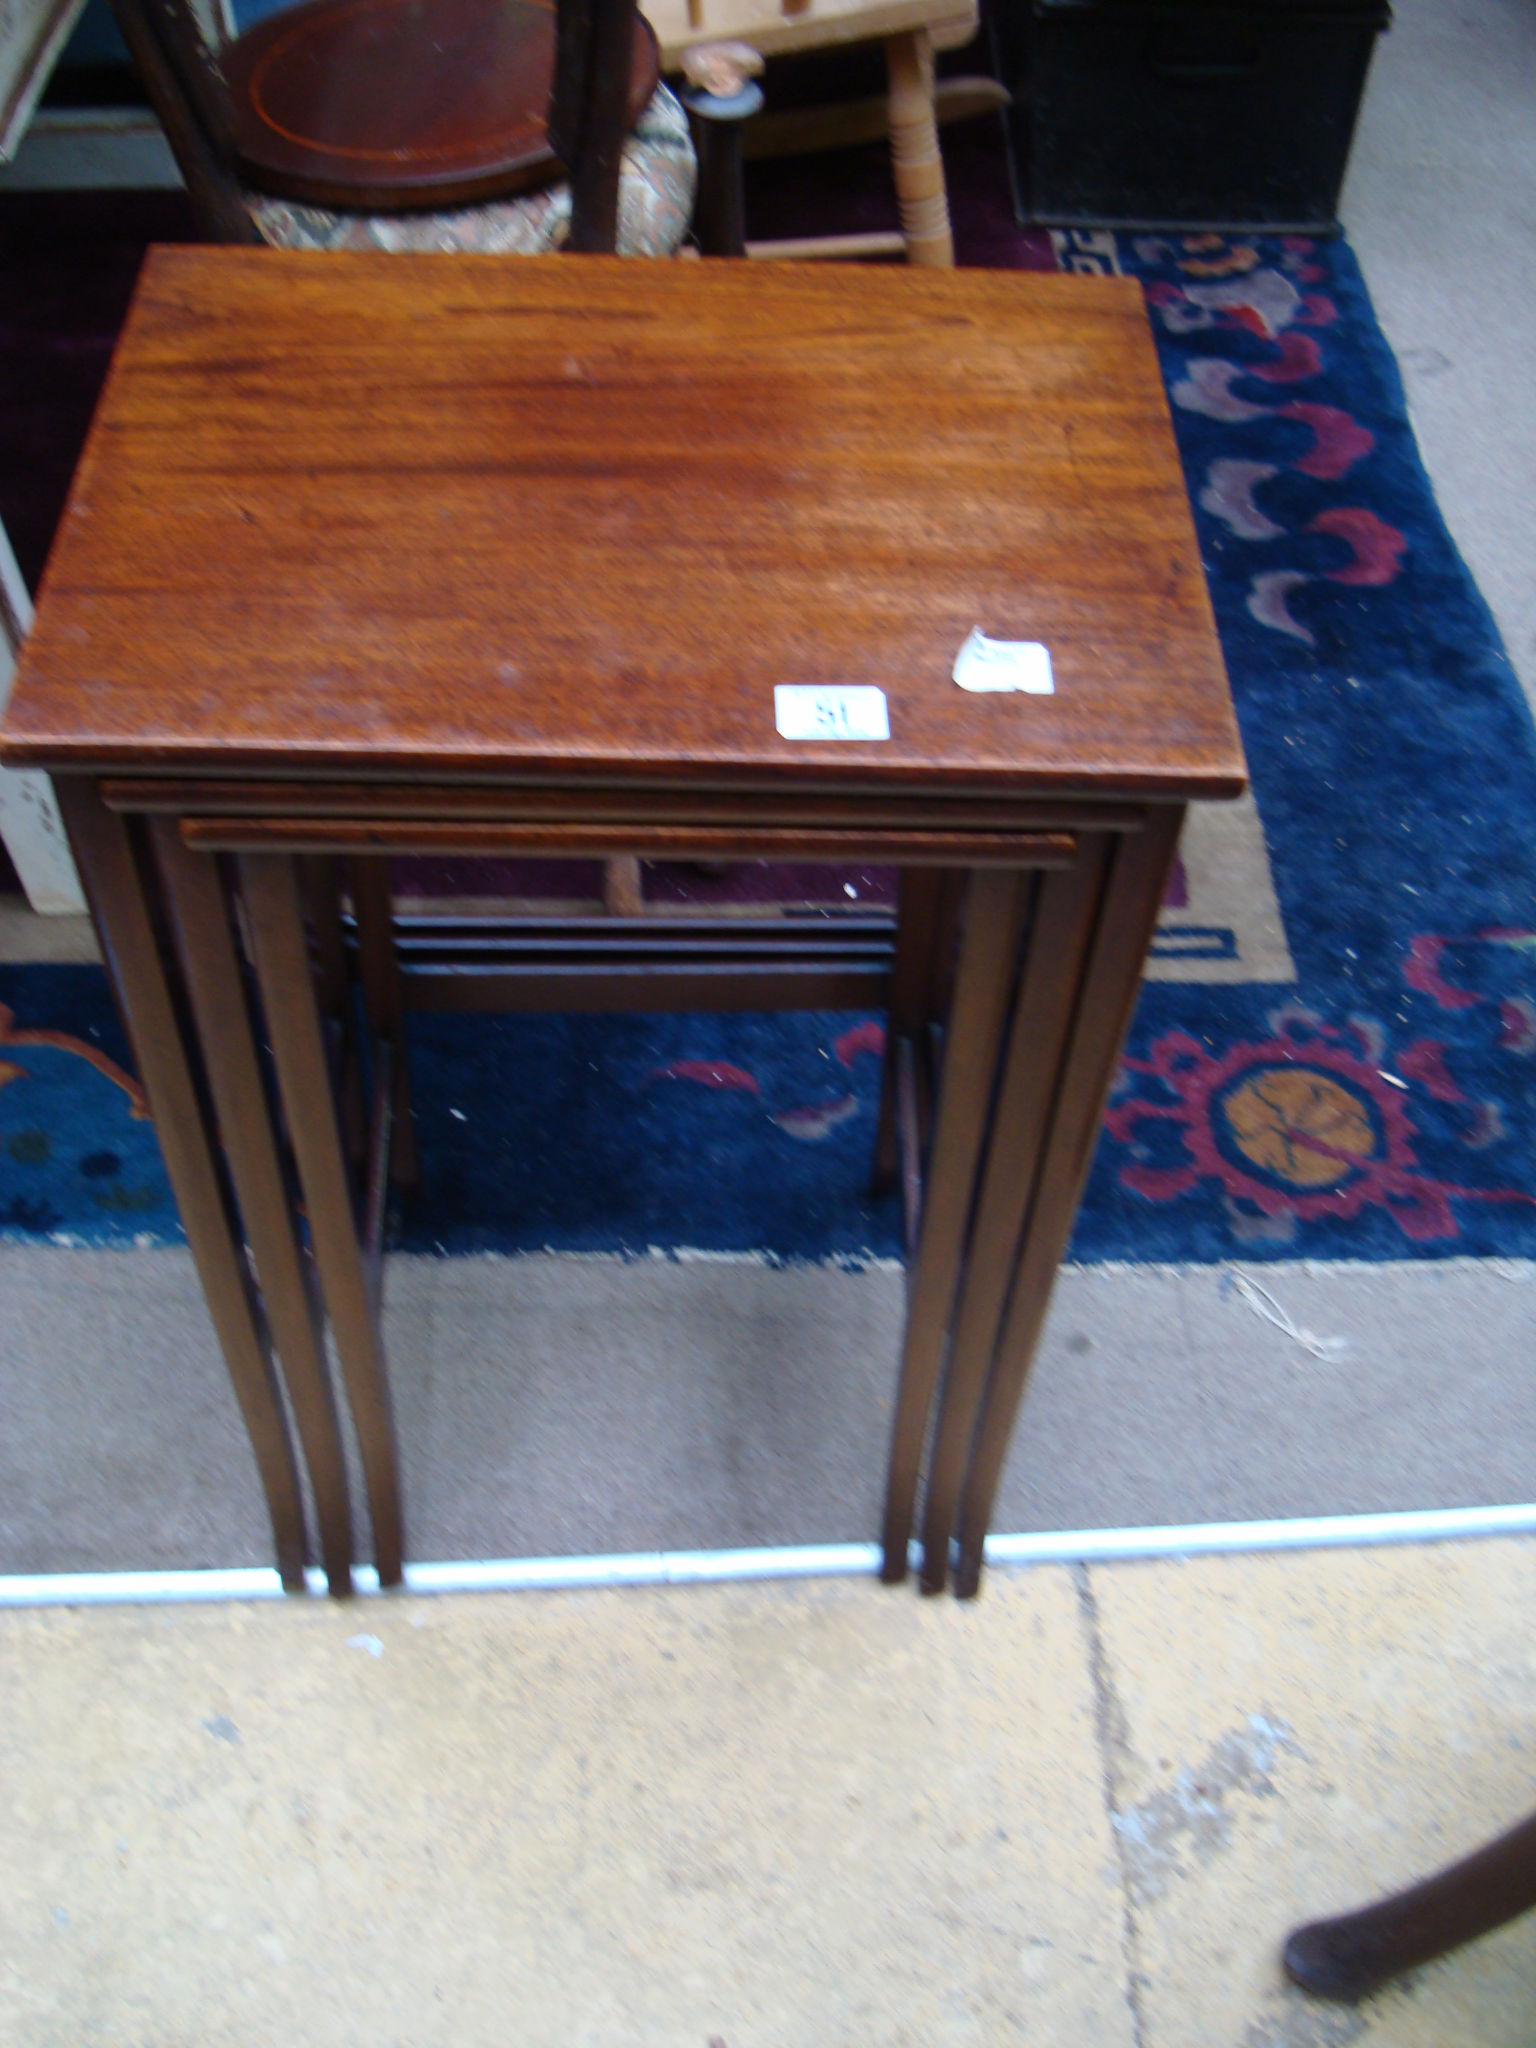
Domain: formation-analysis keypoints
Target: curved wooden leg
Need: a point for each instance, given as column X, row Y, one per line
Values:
column 915, row 160
column 199, row 918
column 1352, row 1956
column 295, row 1033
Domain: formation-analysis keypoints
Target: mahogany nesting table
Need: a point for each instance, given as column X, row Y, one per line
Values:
column 384, row 554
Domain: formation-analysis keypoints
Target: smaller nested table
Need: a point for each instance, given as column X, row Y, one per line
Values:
column 375, row 555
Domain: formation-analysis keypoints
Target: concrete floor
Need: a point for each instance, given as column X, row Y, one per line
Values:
column 1084, row 1810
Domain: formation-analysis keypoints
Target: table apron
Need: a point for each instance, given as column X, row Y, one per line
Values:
column 828, row 807
column 656, row 842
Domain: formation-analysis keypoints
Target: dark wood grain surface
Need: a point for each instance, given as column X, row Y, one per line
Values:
column 576, row 518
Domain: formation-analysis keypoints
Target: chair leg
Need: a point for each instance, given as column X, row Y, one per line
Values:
column 1356, row 1954
column 915, row 160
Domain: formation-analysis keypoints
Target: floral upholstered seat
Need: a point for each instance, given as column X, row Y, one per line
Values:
column 656, row 187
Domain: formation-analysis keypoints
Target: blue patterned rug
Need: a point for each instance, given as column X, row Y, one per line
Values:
column 1350, row 1074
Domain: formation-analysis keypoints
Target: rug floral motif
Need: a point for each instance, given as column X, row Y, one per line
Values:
column 1382, row 1105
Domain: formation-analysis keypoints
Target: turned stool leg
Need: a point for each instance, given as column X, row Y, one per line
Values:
column 915, row 159
column 1352, row 1956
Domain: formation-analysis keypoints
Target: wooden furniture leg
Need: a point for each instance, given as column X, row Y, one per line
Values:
column 384, row 1000
column 215, row 982
column 623, row 887
column 1058, row 938
column 320, row 885
column 30, row 827
column 915, row 160
column 925, row 905
column 105, row 855
column 720, row 99
column 994, row 917
column 270, row 888
column 1137, row 877
column 1354, row 1955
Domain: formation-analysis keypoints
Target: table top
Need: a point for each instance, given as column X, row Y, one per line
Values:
column 575, row 518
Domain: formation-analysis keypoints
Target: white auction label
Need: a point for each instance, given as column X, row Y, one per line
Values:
column 984, row 664
column 830, row 711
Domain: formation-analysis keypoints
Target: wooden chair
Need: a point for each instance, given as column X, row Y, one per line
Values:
column 911, row 31
column 395, row 127
column 1350, row 1957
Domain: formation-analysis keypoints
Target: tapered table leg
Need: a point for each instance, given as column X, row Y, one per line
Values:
column 106, row 857
column 384, row 999
column 1057, row 943
column 269, row 885
column 996, row 906
column 320, row 886
column 1137, row 877
column 215, row 982
column 926, row 906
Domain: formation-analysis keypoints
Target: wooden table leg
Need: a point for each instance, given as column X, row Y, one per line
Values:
column 269, row 884
column 1059, row 933
column 200, row 919
column 105, row 855
column 384, row 1000
column 926, row 907
column 320, row 885
column 916, row 164
column 995, row 910
column 1137, row 878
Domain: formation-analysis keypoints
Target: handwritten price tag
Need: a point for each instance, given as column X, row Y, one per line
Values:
column 984, row 664
column 825, row 711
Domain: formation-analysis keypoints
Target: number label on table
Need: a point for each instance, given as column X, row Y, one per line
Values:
column 825, row 711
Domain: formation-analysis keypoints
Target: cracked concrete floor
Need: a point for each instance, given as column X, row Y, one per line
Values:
column 1083, row 1810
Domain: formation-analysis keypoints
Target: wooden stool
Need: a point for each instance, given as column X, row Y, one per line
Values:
column 911, row 31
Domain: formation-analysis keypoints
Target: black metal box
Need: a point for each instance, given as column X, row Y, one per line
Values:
column 1184, row 113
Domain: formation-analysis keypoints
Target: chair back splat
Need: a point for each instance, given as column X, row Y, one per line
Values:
column 186, row 87
column 588, row 114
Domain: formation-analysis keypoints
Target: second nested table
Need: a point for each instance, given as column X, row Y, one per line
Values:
column 373, row 555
